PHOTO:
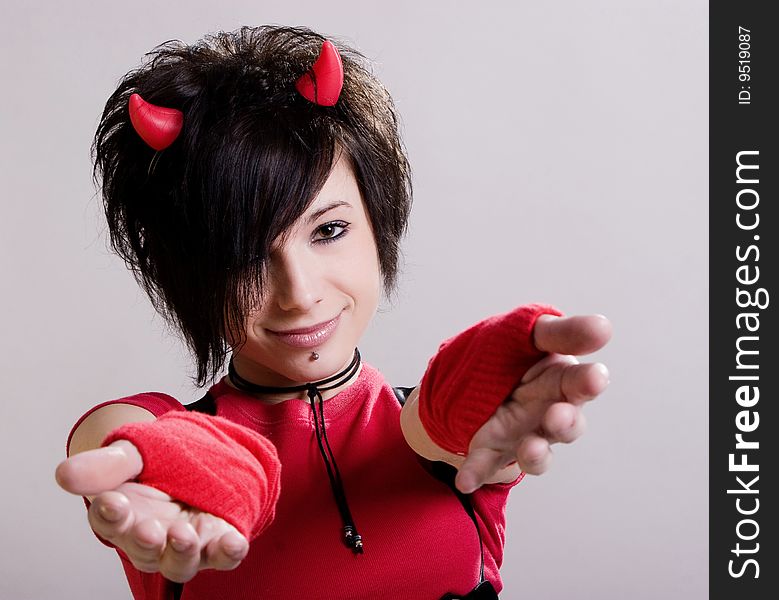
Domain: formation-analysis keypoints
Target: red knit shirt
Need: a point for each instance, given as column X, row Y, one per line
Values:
column 419, row 541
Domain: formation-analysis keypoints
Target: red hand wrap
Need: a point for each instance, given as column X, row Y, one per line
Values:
column 209, row 463
column 474, row 372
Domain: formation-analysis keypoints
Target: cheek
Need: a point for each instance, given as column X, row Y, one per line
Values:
column 246, row 329
column 370, row 270
column 234, row 339
column 365, row 276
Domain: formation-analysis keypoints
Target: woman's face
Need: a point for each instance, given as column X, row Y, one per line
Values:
column 325, row 275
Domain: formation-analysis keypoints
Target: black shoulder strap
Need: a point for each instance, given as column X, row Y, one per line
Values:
column 206, row 405
column 446, row 473
column 401, row 393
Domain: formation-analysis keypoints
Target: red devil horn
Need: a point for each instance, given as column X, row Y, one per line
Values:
column 158, row 126
column 323, row 82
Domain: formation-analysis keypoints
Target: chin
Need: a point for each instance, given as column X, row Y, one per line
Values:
column 302, row 369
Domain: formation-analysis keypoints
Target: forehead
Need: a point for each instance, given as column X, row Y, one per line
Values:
column 340, row 185
column 339, row 192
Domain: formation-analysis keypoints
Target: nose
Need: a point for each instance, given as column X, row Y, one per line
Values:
column 295, row 279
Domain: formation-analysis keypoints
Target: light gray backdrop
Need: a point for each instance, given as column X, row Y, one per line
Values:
column 560, row 155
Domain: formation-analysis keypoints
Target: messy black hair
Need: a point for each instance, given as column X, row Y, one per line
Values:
column 196, row 222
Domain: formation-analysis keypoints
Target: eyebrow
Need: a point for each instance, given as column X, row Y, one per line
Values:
column 318, row 213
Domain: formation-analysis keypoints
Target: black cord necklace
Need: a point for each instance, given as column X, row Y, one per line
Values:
column 314, row 390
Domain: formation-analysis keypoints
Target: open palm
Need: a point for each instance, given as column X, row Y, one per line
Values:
column 157, row 533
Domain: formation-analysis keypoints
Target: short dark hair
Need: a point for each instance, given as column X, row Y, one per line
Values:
column 196, row 225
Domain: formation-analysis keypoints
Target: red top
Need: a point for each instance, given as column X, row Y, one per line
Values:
column 419, row 541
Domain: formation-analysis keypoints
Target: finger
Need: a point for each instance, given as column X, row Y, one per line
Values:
column 101, row 469
column 546, row 362
column 481, row 464
column 571, row 335
column 181, row 559
column 582, row 383
column 220, row 550
column 226, row 552
column 534, row 455
column 110, row 515
column 574, row 383
column 145, row 544
column 563, row 422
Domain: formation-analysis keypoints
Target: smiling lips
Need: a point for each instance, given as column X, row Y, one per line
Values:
column 310, row 336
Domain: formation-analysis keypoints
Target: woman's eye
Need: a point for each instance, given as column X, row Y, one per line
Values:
column 330, row 232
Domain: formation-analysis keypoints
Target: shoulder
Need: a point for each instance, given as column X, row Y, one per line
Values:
column 92, row 427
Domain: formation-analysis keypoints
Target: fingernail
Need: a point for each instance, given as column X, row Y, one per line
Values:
column 109, row 513
column 146, row 543
column 234, row 551
column 604, row 371
column 179, row 545
column 467, row 487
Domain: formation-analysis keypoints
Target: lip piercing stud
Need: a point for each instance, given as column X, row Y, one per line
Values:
column 314, row 356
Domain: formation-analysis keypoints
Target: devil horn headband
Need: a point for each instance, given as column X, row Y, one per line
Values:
column 323, row 82
column 159, row 126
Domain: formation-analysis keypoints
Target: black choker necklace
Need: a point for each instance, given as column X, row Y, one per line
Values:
column 321, row 385
column 314, row 390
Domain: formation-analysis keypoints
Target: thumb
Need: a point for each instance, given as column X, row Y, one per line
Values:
column 95, row 471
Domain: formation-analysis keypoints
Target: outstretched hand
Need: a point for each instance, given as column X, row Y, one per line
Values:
column 157, row 533
column 546, row 407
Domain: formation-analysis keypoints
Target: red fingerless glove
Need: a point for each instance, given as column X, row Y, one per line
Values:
column 474, row 372
column 209, row 463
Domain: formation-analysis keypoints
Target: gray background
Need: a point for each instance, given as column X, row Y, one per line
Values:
column 560, row 155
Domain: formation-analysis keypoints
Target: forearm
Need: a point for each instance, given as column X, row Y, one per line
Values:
column 419, row 441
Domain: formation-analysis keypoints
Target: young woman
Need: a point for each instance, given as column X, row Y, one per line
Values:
column 256, row 184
